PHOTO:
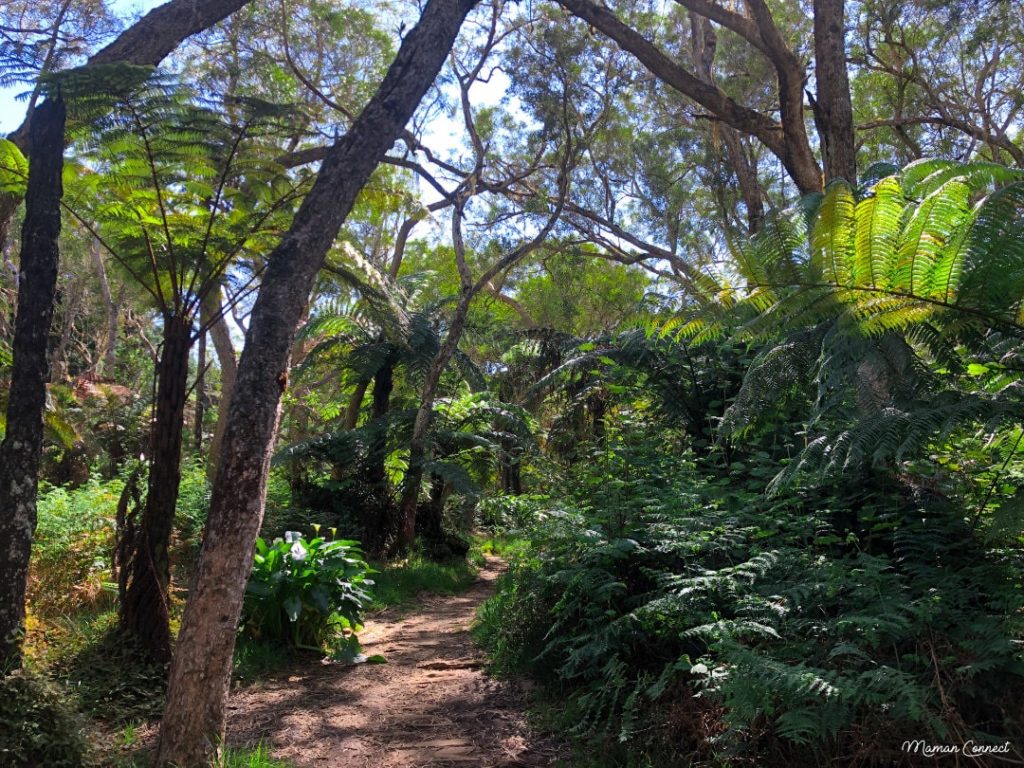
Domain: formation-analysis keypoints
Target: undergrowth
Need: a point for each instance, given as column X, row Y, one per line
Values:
column 399, row 583
column 687, row 618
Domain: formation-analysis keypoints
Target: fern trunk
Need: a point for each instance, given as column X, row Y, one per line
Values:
column 144, row 604
column 21, row 449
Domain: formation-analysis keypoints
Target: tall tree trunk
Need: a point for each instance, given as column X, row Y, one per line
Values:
column 383, row 384
column 202, row 400
column 110, row 353
column 21, row 449
column 212, row 317
column 380, row 519
column 833, row 109
column 193, row 724
column 144, row 607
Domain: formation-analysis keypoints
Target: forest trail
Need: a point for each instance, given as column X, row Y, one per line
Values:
column 432, row 704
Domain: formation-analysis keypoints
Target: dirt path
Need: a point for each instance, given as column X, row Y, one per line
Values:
column 432, row 704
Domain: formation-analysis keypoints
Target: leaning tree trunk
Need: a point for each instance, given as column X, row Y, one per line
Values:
column 144, row 604
column 193, row 725
column 21, row 449
column 833, row 109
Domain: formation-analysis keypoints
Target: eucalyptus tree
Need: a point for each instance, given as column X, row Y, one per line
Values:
column 939, row 80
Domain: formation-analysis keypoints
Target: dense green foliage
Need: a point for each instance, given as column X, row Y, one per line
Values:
column 837, row 567
column 810, row 624
column 37, row 725
column 306, row 593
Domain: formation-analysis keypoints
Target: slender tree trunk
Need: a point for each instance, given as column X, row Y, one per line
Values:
column 212, row 317
column 21, row 449
column 380, row 522
column 202, row 400
column 193, row 724
column 418, row 444
column 383, row 384
column 355, row 404
column 110, row 353
column 144, row 607
column 833, row 109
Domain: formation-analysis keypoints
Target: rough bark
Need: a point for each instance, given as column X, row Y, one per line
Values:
column 833, row 109
column 144, row 606
column 21, row 449
column 193, row 724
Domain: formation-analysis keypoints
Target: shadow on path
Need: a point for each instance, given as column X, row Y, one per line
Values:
column 431, row 705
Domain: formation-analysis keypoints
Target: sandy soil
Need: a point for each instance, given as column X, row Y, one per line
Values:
column 432, row 704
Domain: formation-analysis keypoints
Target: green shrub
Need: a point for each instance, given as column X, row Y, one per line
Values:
column 502, row 514
column 306, row 593
column 73, row 543
column 799, row 629
column 37, row 726
column 398, row 584
column 193, row 502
